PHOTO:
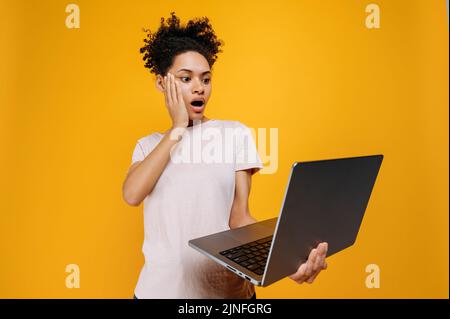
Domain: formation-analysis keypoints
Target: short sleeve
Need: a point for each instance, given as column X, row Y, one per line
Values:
column 138, row 153
column 247, row 156
column 144, row 146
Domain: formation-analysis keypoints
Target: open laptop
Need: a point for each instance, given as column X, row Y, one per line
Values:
column 324, row 201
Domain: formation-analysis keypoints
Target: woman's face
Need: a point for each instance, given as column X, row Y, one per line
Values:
column 192, row 72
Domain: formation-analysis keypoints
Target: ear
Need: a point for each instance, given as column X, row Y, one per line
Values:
column 160, row 83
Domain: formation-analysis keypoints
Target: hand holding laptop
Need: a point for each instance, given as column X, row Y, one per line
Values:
column 321, row 214
column 308, row 271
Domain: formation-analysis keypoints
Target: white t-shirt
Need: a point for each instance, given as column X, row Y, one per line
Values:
column 193, row 198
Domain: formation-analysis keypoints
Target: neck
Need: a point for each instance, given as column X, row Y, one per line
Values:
column 203, row 120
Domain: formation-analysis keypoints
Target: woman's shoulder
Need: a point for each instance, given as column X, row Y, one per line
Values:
column 231, row 123
column 151, row 139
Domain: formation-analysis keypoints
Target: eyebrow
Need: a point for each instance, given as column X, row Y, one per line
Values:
column 191, row 71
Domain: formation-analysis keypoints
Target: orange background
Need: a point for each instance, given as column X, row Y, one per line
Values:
column 73, row 102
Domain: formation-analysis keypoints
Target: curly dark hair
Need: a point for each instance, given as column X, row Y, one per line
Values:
column 169, row 40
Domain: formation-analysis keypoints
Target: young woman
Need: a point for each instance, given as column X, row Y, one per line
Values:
column 188, row 199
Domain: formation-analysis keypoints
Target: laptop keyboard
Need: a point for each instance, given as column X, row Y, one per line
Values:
column 252, row 256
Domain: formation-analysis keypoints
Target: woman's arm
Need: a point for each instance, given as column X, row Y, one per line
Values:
column 143, row 175
column 240, row 214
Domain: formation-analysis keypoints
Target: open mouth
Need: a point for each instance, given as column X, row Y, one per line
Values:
column 198, row 103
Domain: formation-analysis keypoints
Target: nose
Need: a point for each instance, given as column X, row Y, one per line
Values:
column 198, row 86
